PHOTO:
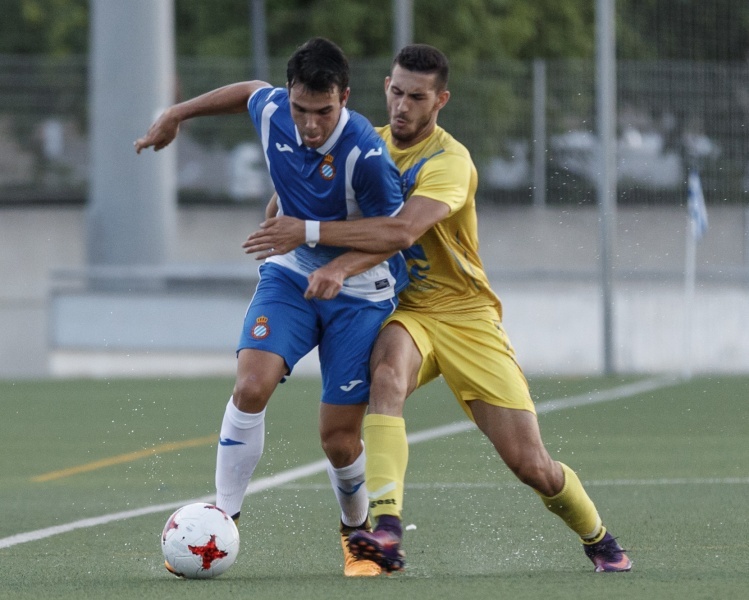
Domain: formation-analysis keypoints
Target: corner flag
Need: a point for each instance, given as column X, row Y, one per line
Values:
column 696, row 205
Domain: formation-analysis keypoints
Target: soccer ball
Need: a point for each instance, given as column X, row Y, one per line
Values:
column 199, row 541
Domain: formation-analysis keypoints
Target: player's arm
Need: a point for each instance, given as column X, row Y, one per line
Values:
column 387, row 235
column 326, row 282
column 271, row 209
column 227, row 100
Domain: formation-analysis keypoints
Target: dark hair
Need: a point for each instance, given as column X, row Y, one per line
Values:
column 423, row 58
column 319, row 65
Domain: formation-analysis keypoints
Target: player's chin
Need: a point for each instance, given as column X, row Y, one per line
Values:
column 401, row 134
column 313, row 142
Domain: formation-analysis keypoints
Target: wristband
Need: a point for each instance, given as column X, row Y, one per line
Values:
column 312, row 233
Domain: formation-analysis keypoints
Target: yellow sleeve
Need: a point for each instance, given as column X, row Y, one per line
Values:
column 446, row 178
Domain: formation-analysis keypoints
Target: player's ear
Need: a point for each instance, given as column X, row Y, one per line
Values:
column 344, row 96
column 442, row 99
column 387, row 83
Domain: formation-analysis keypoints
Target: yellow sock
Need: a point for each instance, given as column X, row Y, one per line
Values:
column 387, row 459
column 575, row 508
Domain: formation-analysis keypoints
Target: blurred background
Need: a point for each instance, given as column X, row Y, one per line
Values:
column 112, row 264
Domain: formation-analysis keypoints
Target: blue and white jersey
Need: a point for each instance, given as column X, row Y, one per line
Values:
column 349, row 177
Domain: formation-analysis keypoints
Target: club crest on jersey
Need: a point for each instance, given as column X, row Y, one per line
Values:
column 327, row 169
column 260, row 329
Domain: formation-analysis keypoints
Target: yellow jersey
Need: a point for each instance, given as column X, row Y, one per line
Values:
column 447, row 278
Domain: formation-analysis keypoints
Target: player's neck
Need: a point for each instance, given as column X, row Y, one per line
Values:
column 410, row 143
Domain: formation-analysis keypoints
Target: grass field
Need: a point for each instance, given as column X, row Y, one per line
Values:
column 668, row 468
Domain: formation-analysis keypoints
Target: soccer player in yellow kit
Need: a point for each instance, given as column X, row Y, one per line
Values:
column 448, row 322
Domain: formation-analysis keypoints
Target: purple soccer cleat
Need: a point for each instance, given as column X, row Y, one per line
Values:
column 607, row 555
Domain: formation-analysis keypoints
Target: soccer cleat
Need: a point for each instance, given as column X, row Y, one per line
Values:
column 381, row 546
column 353, row 566
column 607, row 555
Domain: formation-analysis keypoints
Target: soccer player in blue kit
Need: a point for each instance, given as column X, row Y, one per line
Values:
column 326, row 163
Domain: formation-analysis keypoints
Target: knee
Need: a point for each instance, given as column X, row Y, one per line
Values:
column 388, row 376
column 538, row 472
column 341, row 448
column 389, row 389
column 250, row 395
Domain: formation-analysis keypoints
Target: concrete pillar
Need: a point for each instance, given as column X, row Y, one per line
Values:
column 131, row 213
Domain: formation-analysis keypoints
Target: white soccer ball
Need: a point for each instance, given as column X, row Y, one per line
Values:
column 199, row 541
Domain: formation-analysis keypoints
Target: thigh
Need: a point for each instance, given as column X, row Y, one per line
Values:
column 279, row 320
column 478, row 363
column 349, row 327
column 395, row 367
column 406, row 345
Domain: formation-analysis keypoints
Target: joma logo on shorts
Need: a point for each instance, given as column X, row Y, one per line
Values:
column 351, row 385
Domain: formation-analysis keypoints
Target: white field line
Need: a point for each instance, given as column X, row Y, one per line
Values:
column 488, row 485
column 284, row 477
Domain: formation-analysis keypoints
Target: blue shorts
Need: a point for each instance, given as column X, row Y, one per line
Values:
column 281, row 321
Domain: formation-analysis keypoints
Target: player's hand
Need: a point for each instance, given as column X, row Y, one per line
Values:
column 277, row 235
column 160, row 134
column 325, row 283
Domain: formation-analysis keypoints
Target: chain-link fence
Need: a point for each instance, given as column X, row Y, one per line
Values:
column 672, row 116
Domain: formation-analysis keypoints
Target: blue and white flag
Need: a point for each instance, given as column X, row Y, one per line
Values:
column 696, row 205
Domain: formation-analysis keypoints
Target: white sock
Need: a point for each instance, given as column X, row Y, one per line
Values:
column 239, row 450
column 350, row 491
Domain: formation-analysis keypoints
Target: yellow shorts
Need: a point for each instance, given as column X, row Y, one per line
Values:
column 475, row 357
